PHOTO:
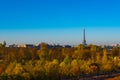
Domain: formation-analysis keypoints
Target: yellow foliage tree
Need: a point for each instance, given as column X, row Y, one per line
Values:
column 18, row 69
column 75, row 70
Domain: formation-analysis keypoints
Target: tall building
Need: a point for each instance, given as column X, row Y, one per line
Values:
column 84, row 40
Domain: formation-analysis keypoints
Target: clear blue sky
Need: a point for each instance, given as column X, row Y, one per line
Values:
column 59, row 21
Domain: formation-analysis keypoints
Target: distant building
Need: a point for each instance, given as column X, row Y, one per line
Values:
column 37, row 46
column 67, row 46
column 27, row 46
column 13, row 46
column 57, row 46
column 109, row 47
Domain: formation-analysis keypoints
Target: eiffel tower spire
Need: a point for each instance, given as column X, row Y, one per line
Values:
column 84, row 40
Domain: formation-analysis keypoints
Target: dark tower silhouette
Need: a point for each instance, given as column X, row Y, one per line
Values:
column 84, row 41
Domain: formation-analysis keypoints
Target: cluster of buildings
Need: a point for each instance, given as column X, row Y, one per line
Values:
column 39, row 45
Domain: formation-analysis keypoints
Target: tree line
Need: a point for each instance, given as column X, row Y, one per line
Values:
column 56, row 63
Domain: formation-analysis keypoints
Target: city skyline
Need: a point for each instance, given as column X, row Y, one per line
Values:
column 60, row 21
column 78, row 40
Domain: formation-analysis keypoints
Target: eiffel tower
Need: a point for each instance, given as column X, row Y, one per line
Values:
column 84, row 40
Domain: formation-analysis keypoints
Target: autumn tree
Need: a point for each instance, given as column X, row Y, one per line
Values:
column 64, row 70
column 52, row 70
column 105, row 57
column 43, row 52
column 82, row 52
column 115, row 51
column 55, row 53
column 94, row 49
column 74, row 70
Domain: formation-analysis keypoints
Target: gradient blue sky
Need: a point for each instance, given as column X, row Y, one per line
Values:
column 59, row 21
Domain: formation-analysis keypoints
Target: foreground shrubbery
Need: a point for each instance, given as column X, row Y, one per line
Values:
column 56, row 63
